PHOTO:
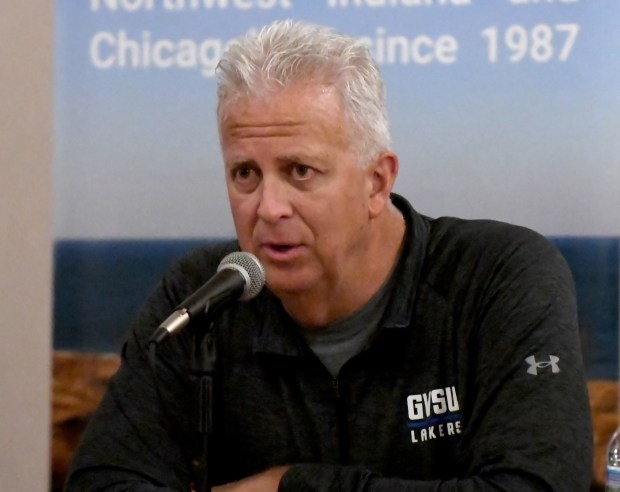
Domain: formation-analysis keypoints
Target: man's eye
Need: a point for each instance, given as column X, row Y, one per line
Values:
column 301, row 171
column 242, row 173
column 245, row 178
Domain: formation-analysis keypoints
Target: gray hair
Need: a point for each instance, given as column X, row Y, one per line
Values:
column 287, row 52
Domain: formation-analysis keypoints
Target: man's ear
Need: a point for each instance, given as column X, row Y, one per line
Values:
column 382, row 175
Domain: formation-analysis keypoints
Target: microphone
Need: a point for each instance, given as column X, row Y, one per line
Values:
column 240, row 276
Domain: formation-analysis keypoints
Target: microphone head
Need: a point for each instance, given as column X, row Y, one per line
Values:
column 247, row 265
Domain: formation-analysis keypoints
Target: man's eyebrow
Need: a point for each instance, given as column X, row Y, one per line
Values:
column 291, row 158
column 299, row 159
column 287, row 159
column 240, row 162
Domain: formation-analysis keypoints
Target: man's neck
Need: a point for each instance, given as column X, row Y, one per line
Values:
column 360, row 283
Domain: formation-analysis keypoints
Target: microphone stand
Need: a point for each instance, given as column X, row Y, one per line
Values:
column 203, row 369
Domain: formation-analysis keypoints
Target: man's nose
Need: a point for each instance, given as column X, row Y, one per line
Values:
column 274, row 200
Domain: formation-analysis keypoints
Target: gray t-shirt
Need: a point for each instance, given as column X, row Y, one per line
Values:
column 338, row 342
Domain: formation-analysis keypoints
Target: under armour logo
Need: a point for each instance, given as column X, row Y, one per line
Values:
column 535, row 366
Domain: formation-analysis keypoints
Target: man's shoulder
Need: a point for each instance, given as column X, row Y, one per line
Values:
column 482, row 235
column 472, row 247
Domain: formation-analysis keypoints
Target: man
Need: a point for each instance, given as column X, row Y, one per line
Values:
column 388, row 352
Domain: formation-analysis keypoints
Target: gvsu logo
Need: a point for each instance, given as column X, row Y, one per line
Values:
column 435, row 402
column 535, row 366
column 434, row 414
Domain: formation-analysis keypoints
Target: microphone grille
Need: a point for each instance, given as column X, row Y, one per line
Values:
column 249, row 266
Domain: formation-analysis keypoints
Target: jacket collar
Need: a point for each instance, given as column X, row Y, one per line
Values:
column 278, row 332
column 408, row 271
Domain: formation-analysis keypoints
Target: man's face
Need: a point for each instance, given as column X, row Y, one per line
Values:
column 299, row 197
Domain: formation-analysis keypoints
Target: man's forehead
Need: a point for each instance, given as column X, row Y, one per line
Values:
column 288, row 101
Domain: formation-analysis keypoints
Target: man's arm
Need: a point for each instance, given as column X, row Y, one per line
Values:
column 267, row 481
column 138, row 439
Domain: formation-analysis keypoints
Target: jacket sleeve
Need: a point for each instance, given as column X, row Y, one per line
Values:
column 528, row 424
column 134, row 442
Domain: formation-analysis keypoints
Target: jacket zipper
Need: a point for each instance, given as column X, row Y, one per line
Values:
column 341, row 424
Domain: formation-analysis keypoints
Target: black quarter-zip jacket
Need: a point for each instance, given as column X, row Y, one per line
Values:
column 474, row 381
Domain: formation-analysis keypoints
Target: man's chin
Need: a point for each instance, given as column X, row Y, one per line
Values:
column 284, row 286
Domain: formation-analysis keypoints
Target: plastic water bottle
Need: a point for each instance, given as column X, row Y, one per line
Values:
column 612, row 482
